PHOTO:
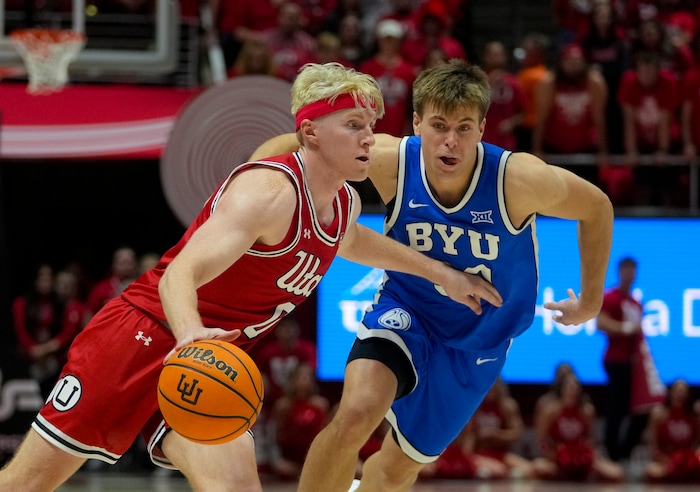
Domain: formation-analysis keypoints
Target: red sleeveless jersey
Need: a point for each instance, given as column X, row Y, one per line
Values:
column 570, row 426
column 490, row 415
column 570, row 127
column 678, row 431
column 267, row 282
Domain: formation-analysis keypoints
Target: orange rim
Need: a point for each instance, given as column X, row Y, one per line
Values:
column 48, row 36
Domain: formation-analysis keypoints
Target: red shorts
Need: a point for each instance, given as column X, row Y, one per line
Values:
column 107, row 393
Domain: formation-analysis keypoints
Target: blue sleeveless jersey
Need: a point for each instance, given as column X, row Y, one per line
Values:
column 474, row 236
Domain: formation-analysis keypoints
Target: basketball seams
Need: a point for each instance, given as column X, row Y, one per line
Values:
column 193, row 411
column 212, row 378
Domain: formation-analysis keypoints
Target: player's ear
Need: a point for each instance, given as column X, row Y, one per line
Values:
column 307, row 130
column 416, row 124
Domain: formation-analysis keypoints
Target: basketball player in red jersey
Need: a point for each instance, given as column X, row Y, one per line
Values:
column 258, row 248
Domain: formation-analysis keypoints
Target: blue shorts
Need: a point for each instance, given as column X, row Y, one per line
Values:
column 445, row 389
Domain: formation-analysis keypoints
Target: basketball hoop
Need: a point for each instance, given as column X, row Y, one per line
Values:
column 46, row 54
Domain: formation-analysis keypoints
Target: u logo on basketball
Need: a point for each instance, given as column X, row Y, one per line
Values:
column 187, row 390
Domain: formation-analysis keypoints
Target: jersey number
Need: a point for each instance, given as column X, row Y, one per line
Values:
column 253, row 331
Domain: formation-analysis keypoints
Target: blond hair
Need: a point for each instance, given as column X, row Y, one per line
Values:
column 317, row 82
column 450, row 86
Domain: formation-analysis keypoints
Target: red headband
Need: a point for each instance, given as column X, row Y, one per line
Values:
column 324, row 107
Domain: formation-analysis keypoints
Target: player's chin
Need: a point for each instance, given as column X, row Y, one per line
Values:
column 360, row 174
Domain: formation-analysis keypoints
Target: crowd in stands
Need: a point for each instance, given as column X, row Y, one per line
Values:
column 621, row 77
column 563, row 441
column 562, row 438
column 618, row 79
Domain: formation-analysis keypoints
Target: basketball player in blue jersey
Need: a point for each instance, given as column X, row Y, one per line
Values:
column 420, row 360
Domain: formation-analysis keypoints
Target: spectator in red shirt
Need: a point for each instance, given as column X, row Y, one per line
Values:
column 648, row 96
column 605, row 48
column 291, row 46
column 567, row 440
column 674, row 435
column 507, row 97
column 238, row 21
column 570, row 108
column 45, row 325
column 495, row 429
column 298, row 416
column 620, row 319
column 433, row 30
column 123, row 271
column 395, row 77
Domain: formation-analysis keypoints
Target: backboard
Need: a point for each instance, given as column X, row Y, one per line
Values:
column 123, row 37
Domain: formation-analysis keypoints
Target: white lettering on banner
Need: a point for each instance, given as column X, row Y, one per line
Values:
column 657, row 320
column 352, row 312
column 689, row 297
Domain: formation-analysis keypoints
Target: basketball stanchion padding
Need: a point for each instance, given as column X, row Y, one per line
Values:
column 210, row 392
column 46, row 54
column 217, row 131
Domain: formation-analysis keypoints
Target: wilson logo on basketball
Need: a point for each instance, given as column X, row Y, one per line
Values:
column 207, row 356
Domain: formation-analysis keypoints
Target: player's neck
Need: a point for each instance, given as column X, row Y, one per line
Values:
column 323, row 187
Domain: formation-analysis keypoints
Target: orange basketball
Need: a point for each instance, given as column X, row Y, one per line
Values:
column 210, row 392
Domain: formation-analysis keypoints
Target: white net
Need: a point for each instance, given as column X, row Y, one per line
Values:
column 46, row 54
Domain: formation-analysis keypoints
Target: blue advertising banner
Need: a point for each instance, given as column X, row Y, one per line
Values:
column 668, row 284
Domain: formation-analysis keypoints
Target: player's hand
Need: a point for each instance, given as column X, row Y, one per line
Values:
column 573, row 310
column 203, row 333
column 470, row 289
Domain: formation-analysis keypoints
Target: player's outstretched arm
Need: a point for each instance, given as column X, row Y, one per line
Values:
column 532, row 186
column 368, row 247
